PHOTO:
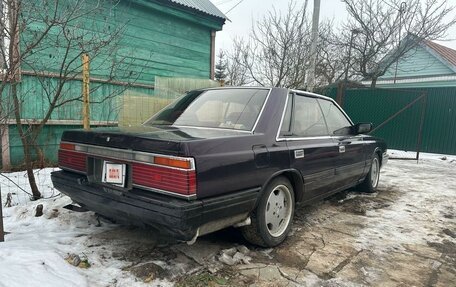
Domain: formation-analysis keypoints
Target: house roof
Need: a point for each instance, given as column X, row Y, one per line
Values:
column 204, row 6
column 445, row 53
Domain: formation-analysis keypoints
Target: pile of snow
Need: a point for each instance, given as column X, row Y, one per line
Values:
column 35, row 248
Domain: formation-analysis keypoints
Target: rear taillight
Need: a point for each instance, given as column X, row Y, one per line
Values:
column 70, row 159
column 67, row 146
column 161, row 173
column 180, row 181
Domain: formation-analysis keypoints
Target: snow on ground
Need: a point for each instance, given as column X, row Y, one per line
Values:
column 416, row 201
column 35, row 249
column 429, row 185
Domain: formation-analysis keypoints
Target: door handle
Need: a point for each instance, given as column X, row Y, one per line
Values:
column 341, row 149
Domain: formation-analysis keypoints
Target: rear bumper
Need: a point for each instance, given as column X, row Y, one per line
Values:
column 172, row 217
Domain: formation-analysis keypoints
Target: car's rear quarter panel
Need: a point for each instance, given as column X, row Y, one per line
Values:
column 227, row 165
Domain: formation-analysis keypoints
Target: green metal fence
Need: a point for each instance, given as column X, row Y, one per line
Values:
column 402, row 133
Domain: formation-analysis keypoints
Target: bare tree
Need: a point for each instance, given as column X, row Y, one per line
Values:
column 277, row 51
column 383, row 25
column 45, row 40
column 237, row 72
column 331, row 58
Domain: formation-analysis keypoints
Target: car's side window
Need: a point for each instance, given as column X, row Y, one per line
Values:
column 303, row 118
column 308, row 119
column 337, row 122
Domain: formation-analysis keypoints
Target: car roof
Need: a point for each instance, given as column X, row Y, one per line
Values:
column 270, row 88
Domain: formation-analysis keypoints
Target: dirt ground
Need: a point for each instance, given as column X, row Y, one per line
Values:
column 404, row 235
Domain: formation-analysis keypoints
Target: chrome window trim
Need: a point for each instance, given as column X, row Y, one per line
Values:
column 211, row 128
column 280, row 139
column 303, row 93
column 347, row 136
column 354, row 142
column 128, row 155
column 304, row 138
column 261, row 111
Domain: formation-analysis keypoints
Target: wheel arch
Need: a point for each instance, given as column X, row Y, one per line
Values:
column 295, row 179
column 378, row 151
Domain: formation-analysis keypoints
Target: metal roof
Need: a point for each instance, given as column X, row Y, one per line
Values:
column 204, row 6
column 447, row 54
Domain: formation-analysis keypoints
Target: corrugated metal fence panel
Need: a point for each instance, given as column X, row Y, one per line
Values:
column 439, row 135
column 369, row 105
column 377, row 105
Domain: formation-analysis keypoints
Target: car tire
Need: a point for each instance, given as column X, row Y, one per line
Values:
column 271, row 220
column 370, row 183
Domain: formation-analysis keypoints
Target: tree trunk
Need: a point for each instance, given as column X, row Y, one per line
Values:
column 15, row 66
column 26, row 145
column 29, row 167
column 374, row 82
column 39, row 152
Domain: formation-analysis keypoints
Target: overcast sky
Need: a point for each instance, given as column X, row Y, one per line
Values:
column 242, row 16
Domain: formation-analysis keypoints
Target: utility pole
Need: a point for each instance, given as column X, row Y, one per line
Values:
column 401, row 12
column 313, row 45
column 85, row 91
column 354, row 32
column 2, row 231
column 340, row 96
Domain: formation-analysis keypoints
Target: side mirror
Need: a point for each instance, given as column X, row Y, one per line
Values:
column 362, row 128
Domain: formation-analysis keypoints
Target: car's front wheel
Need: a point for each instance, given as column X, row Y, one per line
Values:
column 272, row 218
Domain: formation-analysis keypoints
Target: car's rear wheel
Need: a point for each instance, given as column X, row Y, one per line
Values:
column 271, row 220
column 370, row 183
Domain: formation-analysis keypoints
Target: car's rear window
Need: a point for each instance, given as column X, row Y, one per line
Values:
column 225, row 108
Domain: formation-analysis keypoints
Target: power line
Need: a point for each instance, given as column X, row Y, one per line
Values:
column 234, row 6
column 222, row 2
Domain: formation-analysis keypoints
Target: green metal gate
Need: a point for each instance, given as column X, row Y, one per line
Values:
column 431, row 110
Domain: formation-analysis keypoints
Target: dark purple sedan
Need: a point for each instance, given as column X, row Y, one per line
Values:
column 222, row 157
